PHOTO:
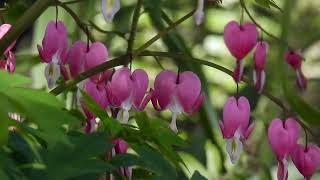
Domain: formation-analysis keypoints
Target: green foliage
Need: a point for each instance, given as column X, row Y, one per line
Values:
column 46, row 145
column 268, row 4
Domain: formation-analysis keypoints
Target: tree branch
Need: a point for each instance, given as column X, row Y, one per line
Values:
column 181, row 56
column 24, row 22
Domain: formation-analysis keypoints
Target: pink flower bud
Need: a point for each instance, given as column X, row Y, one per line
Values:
column 294, row 59
column 260, row 58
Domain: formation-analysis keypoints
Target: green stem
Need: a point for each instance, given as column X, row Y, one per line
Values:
column 183, row 57
column 76, row 18
column 96, row 27
column 24, row 22
column 162, row 33
column 121, row 60
column 243, row 5
column 134, row 26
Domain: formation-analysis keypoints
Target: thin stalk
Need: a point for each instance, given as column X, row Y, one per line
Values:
column 243, row 5
column 76, row 18
column 134, row 26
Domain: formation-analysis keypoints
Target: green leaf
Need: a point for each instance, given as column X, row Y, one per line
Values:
column 157, row 132
column 268, row 4
column 307, row 112
column 197, row 176
column 12, row 80
column 154, row 161
column 193, row 165
column 78, row 158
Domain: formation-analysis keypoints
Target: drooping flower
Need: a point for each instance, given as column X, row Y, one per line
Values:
column 9, row 63
column 98, row 94
column 178, row 93
column 76, row 58
column 306, row 159
column 94, row 56
column 109, row 9
column 199, row 14
column 54, row 50
column 240, row 40
column 121, row 147
column 294, row 59
column 260, row 57
column 128, row 89
column 235, row 125
column 283, row 137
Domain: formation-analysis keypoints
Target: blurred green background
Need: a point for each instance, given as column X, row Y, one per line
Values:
column 206, row 149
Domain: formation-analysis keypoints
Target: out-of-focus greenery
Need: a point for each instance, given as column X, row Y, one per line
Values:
column 200, row 145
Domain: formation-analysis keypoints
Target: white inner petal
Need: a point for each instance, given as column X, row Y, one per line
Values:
column 234, row 147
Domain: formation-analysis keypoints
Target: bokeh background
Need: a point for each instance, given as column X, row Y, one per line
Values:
column 206, row 149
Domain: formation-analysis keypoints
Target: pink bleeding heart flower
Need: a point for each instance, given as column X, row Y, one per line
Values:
column 199, row 14
column 4, row 28
column 54, row 51
column 98, row 94
column 94, row 56
column 76, row 58
column 260, row 58
column 294, row 58
column 235, row 125
column 128, row 89
column 91, row 123
column 283, row 137
column 9, row 63
column 178, row 93
column 121, row 147
column 306, row 159
column 240, row 40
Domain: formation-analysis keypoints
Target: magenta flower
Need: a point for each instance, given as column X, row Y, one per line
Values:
column 178, row 93
column 235, row 125
column 94, row 56
column 121, row 147
column 98, row 94
column 76, row 58
column 9, row 63
column 240, row 40
column 260, row 58
column 199, row 14
column 306, row 159
column 54, row 50
column 128, row 89
column 294, row 59
column 283, row 137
